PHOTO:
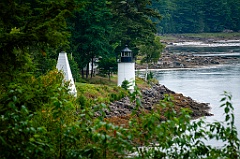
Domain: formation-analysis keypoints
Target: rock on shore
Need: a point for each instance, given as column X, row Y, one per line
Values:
column 119, row 110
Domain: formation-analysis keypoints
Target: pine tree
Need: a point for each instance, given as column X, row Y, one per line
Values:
column 133, row 23
column 32, row 25
column 91, row 28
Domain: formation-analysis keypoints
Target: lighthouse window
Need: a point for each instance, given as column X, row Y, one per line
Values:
column 126, row 54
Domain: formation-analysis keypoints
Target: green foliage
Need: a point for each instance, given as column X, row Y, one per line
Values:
column 197, row 16
column 149, row 76
column 44, row 60
column 151, row 52
column 90, row 28
column 93, row 94
column 203, row 36
column 40, row 119
column 49, row 123
column 107, row 66
column 74, row 68
column 132, row 23
column 179, row 137
column 125, row 84
column 25, row 130
column 83, row 101
column 29, row 26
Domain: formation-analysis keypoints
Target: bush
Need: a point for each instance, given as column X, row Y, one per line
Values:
column 125, row 84
column 32, row 113
column 39, row 120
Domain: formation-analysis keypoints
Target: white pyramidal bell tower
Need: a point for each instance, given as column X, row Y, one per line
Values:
column 63, row 65
column 126, row 68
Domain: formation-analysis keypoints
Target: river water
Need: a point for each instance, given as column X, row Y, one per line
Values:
column 206, row 84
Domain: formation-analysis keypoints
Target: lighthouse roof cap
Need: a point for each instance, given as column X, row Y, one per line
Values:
column 126, row 49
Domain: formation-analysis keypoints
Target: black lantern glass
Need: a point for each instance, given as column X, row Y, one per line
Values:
column 126, row 55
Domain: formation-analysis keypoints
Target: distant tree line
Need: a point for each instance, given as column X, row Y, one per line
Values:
column 196, row 16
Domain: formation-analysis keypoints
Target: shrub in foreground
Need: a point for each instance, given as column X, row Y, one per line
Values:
column 39, row 119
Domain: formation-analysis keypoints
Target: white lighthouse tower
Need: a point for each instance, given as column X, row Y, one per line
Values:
column 126, row 68
column 63, row 65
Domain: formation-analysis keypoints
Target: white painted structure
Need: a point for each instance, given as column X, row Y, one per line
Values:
column 95, row 66
column 125, row 73
column 63, row 65
column 126, row 68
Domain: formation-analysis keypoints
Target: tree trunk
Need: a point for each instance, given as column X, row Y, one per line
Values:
column 82, row 72
column 87, row 70
column 109, row 75
column 92, row 67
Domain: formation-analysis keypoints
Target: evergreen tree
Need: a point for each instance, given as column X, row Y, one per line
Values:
column 166, row 9
column 188, row 16
column 234, row 9
column 215, row 15
column 32, row 25
column 90, row 29
column 132, row 23
column 107, row 66
column 151, row 52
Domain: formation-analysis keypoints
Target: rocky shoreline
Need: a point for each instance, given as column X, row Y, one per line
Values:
column 188, row 60
column 119, row 111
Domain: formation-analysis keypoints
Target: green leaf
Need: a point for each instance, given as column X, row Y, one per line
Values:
column 226, row 109
column 138, row 102
column 227, row 117
column 31, row 139
column 223, row 99
column 36, row 135
column 24, row 110
column 14, row 98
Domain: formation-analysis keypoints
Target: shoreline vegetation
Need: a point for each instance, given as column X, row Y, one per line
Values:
column 207, row 37
column 186, row 61
column 169, row 60
column 41, row 118
column 120, row 110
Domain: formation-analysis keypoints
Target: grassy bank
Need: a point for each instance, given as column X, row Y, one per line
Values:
column 99, row 89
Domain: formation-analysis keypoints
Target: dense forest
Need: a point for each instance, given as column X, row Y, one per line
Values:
column 188, row 16
column 101, row 28
column 40, row 119
column 84, row 28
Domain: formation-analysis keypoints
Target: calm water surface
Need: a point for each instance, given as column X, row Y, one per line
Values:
column 209, row 83
column 206, row 85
